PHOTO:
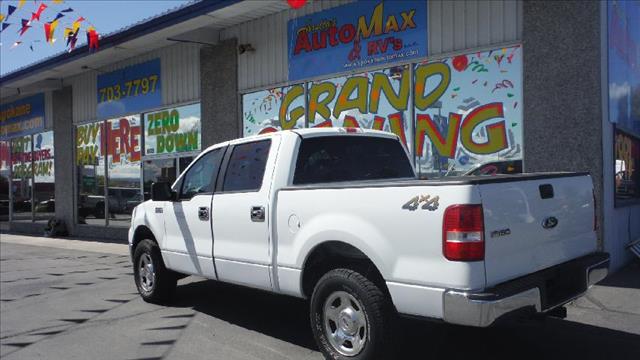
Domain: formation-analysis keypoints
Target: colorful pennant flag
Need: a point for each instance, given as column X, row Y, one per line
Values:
column 57, row 1
column 10, row 10
column 71, row 40
column 21, row 3
column 60, row 15
column 92, row 38
column 1, row 17
column 25, row 26
column 4, row 26
column 49, row 29
column 36, row 15
column 76, row 24
column 67, row 10
column 15, row 44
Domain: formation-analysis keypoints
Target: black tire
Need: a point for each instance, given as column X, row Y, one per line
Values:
column 376, row 307
column 163, row 286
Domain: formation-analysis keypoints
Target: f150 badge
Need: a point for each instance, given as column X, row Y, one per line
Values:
column 428, row 203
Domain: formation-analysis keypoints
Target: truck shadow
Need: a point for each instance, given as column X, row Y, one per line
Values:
column 287, row 319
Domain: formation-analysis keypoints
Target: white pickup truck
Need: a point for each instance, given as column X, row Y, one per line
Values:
column 337, row 216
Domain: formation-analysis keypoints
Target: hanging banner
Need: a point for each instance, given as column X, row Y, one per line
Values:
column 131, row 89
column 354, row 36
column 22, row 117
column 172, row 130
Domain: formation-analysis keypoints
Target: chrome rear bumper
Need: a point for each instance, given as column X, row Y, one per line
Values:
column 483, row 308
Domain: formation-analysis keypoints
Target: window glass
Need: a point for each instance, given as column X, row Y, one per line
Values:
column 378, row 100
column 201, row 177
column 272, row 110
column 43, row 176
column 468, row 111
column 627, row 168
column 22, row 177
column 123, row 169
column 90, row 142
column 184, row 162
column 172, row 130
column 246, row 166
column 5, row 171
column 350, row 158
column 158, row 170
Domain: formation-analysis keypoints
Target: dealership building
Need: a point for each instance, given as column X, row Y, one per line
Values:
column 471, row 88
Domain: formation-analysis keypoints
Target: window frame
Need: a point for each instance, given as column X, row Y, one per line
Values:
column 179, row 184
column 225, row 167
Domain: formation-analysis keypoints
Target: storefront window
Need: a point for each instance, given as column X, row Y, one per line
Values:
column 468, row 114
column 172, row 131
column 376, row 100
column 156, row 171
column 21, row 177
column 43, row 176
column 90, row 143
column 272, row 110
column 123, row 169
column 627, row 168
column 5, row 172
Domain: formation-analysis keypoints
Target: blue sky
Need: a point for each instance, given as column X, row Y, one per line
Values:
column 105, row 15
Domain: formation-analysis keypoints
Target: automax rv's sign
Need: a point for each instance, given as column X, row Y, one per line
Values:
column 22, row 117
column 172, row 130
column 357, row 35
column 128, row 90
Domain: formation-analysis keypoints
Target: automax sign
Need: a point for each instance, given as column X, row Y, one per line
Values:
column 128, row 90
column 357, row 35
column 22, row 117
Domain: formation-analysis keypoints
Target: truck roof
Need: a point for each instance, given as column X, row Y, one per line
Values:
column 309, row 132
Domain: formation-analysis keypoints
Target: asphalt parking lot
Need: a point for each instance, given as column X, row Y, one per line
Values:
column 64, row 299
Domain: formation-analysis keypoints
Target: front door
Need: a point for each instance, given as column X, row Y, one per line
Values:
column 241, row 228
column 188, row 245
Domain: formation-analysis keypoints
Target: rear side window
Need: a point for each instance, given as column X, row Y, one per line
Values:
column 350, row 158
column 246, row 166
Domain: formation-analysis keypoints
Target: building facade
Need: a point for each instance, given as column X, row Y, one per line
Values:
column 471, row 88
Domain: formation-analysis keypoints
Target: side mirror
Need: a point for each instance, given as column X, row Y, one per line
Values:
column 161, row 191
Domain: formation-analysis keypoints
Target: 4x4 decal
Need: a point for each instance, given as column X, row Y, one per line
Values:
column 428, row 203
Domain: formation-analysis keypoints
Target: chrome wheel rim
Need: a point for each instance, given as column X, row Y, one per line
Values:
column 345, row 323
column 146, row 273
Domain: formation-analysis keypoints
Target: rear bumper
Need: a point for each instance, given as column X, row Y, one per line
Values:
column 541, row 291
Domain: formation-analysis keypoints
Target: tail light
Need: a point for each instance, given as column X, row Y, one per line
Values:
column 463, row 233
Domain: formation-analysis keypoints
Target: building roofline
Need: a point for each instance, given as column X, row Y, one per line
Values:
column 157, row 23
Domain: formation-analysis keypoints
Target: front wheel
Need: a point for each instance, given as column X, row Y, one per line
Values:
column 351, row 317
column 155, row 283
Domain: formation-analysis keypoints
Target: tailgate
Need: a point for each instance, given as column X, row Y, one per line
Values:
column 532, row 224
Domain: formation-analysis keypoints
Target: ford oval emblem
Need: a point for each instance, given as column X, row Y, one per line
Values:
column 550, row 222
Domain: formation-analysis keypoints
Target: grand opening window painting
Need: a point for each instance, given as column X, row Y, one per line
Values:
column 468, row 111
column 264, row 111
column 377, row 100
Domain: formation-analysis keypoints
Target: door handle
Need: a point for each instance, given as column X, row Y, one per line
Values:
column 257, row 213
column 203, row 213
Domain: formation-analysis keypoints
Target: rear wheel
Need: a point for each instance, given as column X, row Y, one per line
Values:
column 351, row 317
column 154, row 281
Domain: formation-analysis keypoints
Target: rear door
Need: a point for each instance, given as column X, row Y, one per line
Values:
column 241, row 214
column 534, row 224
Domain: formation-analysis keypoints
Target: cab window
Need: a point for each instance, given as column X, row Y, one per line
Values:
column 201, row 177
